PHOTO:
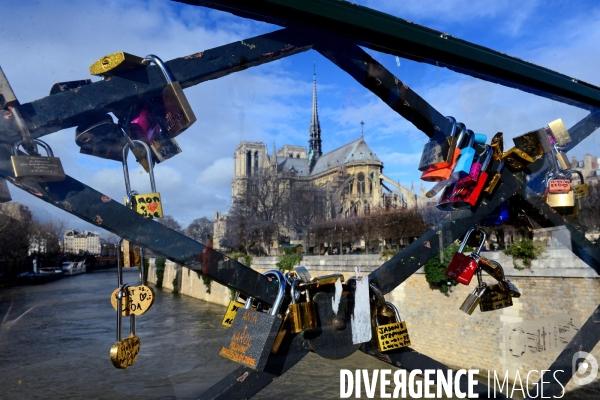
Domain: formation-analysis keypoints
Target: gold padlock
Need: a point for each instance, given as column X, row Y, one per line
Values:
column 392, row 335
column 303, row 316
column 495, row 298
column 563, row 160
column 115, row 62
column 516, row 160
column 149, row 204
column 124, row 352
column 581, row 189
column 138, row 300
column 534, row 143
column 497, row 145
column 37, row 168
column 561, row 199
column 559, row 132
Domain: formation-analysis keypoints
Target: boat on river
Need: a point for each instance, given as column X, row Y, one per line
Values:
column 74, row 267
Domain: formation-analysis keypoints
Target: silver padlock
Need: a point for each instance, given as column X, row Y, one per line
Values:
column 473, row 299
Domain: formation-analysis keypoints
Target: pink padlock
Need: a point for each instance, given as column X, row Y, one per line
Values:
column 476, row 168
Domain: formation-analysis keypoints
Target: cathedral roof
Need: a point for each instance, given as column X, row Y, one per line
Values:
column 297, row 165
column 357, row 150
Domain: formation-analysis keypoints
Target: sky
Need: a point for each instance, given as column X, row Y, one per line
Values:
column 44, row 42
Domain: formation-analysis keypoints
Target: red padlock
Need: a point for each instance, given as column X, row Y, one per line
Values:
column 463, row 267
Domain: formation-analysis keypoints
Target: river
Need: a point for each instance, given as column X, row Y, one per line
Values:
column 55, row 341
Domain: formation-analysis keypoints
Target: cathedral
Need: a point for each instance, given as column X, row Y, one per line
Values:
column 351, row 176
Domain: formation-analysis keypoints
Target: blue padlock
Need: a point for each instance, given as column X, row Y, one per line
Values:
column 467, row 155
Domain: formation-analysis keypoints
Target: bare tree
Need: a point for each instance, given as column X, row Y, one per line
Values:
column 170, row 222
column 200, row 229
column 15, row 224
column 306, row 205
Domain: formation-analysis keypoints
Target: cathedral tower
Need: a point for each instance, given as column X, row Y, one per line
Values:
column 314, row 143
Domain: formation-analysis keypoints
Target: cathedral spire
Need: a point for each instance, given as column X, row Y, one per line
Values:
column 314, row 143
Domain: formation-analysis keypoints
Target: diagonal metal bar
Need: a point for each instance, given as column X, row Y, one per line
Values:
column 244, row 382
column 412, row 360
column 385, row 85
column 565, row 365
column 94, row 207
column 408, row 261
column 115, row 94
column 389, row 34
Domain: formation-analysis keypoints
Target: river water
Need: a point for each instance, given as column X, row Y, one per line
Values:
column 55, row 341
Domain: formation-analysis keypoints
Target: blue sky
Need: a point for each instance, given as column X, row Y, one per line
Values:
column 46, row 42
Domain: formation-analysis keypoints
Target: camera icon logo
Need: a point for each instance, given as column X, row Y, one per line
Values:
column 587, row 365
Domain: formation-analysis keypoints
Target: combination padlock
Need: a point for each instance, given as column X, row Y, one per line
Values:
column 37, row 168
column 463, row 267
column 392, row 335
column 149, row 204
column 439, row 155
column 303, row 315
column 124, row 352
column 253, row 333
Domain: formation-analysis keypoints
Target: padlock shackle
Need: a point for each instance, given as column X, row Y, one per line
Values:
column 393, row 307
column 293, row 290
column 574, row 171
column 120, row 310
column 461, row 135
column 45, row 145
column 453, row 129
column 281, row 293
column 119, row 266
column 126, row 168
column 471, row 138
column 161, row 65
column 465, row 240
column 488, row 158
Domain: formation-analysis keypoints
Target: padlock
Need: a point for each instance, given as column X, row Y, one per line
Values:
column 473, row 299
column 495, row 270
column 462, row 168
column 535, row 143
column 4, row 192
column 116, row 62
column 479, row 165
column 139, row 299
column 516, row 160
column 562, row 160
column 439, row 155
column 37, row 168
column 493, row 182
column 302, row 273
column 253, row 333
column 497, row 145
column 234, row 306
column 560, row 132
column 124, row 352
column 303, row 316
column 393, row 335
column 463, row 267
column 454, row 197
column 149, row 204
column 562, row 202
column 581, row 189
column 559, row 185
column 177, row 113
column 494, row 299
column 436, row 173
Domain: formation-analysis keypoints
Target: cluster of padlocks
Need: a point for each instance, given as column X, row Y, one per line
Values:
column 467, row 169
column 257, row 331
column 489, row 297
